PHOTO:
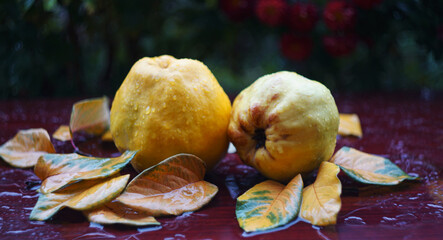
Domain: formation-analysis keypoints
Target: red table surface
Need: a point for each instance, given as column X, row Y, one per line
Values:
column 404, row 128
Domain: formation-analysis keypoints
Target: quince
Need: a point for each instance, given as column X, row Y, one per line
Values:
column 284, row 124
column 167, row 106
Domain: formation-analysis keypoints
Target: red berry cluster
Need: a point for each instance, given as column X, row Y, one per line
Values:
column 300, row 18
column 339, row 17
column 237, row 10
column 271, row 12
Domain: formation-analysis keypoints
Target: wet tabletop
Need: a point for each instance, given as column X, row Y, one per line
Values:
column 402, row 127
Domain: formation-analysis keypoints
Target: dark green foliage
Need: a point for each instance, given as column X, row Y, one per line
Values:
column 65, row 48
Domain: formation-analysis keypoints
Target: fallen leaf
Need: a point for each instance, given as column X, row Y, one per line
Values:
column 115, row 212
column 62, row 133
column 83, row 195
column 269, row 204
column 26, row 147
column 368, row 168
column 172, row 187
column 321, row 200
column 59, row 170
column 90, row 116
column 349, row 125
column 435, row 190
column 107, row 136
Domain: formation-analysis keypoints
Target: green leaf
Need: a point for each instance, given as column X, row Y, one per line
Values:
column 26, row 147
column 368, row 168
column 59, row 170
column 27, row 4
column 90, row 6
column 269, row 204
column 117, row 213
column 83, row 195
column 49, row 5
column 321, row 200
column 91, row 116
column 172, row 187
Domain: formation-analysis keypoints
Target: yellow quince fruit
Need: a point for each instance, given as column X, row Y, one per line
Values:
column 167, row 106
column 284, row 124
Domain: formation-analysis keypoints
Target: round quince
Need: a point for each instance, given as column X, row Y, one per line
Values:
column 167, row 106
column 284, row 124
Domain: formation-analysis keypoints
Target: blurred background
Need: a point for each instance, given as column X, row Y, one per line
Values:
column 69, row 48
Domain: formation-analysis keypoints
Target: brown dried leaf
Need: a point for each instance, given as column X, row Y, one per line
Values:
column 321, row 200
column 435, row 190
column 171, row 187
column 26, row 147
column 83, row 195
column 90, row 116
column 107, row 136
column 117, row 213
column 349, row 125
column 62, row 133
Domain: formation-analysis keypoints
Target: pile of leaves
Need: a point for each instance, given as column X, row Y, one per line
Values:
column 271, row 204
column 176, row 185
column 95, row 186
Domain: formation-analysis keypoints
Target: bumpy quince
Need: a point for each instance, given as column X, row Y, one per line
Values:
column 167, row 106
column 284, row 124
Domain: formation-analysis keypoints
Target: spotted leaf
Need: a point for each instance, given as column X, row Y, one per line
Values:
column 83, row 195
column 172, row 187
column 269, row 204
column 115, row 212
column 368, row 168
column 349, row 125
column 321, row 200
column 26, row 147
column 59, row 170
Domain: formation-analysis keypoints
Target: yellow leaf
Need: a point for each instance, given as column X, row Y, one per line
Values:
column 321, row 200
column 62, row 133
column 83, row 195
column 368, row 168
column 59, row 170
column 349, row 125
column 90, row 116
column 107, row 137
column 435, row 190
column 269, row 204
column 26, row 147
column 114, row 212
column 172, row 187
